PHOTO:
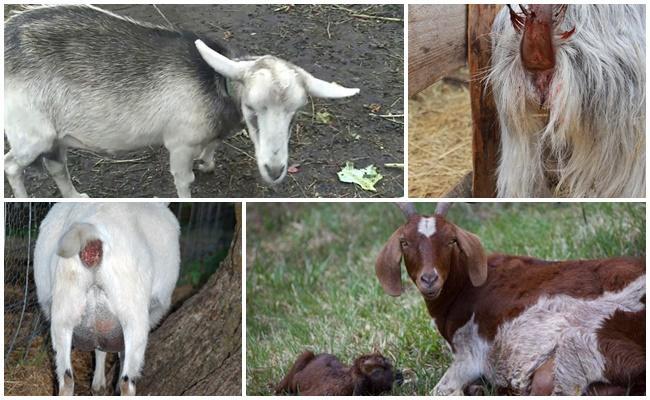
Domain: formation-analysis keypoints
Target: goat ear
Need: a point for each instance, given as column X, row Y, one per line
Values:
column 230, row 69
column 327, row 90
column 388, row 266
column 471, row 246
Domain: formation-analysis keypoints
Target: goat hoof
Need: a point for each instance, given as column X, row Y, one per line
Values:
column 127, row 387
column 98, row 391
column 206, row 167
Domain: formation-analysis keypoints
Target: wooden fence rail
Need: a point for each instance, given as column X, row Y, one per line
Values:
column 443, row 38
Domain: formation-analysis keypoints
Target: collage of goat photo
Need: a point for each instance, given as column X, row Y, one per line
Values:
column 394, row 199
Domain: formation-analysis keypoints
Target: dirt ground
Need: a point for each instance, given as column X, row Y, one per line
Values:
column 354, row 45
column 440, row 137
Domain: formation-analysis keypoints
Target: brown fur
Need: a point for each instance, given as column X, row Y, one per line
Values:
column 511, row 284
column 325, row 375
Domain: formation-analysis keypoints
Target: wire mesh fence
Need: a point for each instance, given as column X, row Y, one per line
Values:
column 206, row 233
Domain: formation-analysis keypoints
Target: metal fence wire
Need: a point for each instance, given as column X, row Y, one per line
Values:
column 206, row 233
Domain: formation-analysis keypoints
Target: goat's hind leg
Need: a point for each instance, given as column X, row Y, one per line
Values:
column 206, row 159
column 99, row 376
column 56, row 163
column 136, row 331
column 62, row 344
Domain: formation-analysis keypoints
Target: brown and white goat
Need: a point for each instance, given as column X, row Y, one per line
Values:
column 526, row 325
column 325, row 375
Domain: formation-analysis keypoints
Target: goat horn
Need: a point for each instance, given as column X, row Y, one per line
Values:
column 407, row 208
column 442, row 208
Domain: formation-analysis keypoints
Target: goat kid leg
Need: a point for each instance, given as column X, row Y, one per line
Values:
column 62, row 344
column 181, row 158
column 206, row 158
column 56, row 164
column 99, row 377
column 135, row 343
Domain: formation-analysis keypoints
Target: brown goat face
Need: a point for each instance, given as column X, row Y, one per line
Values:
column 430, row 247
column 373, row 375
column 428, row 260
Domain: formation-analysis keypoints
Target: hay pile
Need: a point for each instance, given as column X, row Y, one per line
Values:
column 440, row 139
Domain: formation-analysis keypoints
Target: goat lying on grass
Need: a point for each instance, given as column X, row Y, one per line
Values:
column 528, row 326
column 324, row 375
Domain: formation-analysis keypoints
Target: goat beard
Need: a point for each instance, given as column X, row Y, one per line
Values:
column 593, row 123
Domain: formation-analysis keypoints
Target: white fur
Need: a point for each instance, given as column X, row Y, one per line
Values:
column 427, row 226
column 590, row 136
column 470, row 360
column 559, row 327
column 136, row 276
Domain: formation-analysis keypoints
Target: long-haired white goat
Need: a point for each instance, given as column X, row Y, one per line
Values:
column 104, row 276
column 569, row 85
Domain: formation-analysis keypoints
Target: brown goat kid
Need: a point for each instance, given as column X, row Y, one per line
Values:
column 325, row 375
column 528, row 326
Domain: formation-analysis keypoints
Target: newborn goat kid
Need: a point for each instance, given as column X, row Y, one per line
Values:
column 569, row 86
column 104, row 277
column 528, row 326
column 324, row 375
column 82, row 77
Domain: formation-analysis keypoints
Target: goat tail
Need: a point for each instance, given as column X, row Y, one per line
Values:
column 82, row 239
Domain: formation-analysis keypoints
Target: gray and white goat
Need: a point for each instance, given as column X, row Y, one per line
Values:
column 569, row 85
column 82, row 77
column 104, row 275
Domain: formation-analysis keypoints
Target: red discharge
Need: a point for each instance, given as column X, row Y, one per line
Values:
column 91, row 255
column 536, row 23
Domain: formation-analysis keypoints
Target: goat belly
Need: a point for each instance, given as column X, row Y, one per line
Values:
column 565, row 330
column 99, row 327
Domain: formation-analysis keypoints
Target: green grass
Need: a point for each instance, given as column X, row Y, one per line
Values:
column 311, row 282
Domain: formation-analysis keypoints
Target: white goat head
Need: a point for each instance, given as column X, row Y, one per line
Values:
column 270, row 91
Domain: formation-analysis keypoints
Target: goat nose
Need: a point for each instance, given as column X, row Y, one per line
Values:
column 428, row 279
column 274, row 172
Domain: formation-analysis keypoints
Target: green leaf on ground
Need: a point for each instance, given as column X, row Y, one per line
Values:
column 367, row 177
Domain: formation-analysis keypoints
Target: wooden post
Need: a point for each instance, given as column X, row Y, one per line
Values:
column 485, row 122
column 437, row 43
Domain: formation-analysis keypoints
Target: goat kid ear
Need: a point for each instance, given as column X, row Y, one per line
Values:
column 471, row 246
column 388, row 266
column 223, row 65
column 326, row 90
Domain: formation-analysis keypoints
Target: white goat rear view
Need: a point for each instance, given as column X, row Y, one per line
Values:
column 104, row 276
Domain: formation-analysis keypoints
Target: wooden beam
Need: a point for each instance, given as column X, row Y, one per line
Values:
column 485, row 122
column 437, row 43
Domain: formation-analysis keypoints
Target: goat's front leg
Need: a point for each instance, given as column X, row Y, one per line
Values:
column 181, row 158
column 206, row 158
column 62, row 344
column 135, row 343
column 461, row 373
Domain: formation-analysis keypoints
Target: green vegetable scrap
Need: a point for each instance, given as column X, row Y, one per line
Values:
column 367, row 177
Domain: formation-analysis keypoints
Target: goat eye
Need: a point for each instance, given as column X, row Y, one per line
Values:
column 452, row 242
column 403, row 243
